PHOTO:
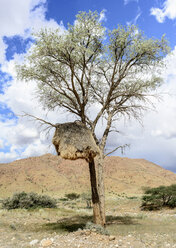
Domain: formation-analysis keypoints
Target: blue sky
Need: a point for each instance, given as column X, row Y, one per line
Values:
column 21, row 138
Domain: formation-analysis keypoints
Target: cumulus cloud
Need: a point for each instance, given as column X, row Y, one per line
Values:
column 20, row 18
column 168, row 10
column 20, row 137
column 23, row 135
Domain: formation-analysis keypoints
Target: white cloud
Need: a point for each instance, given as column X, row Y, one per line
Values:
column 21, row 137
column 168, row 10
column 1, row 144
column 20, row 17
column 35, row 149
column 8, row 156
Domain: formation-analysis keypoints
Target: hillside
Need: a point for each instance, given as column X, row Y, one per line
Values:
column 54, row 176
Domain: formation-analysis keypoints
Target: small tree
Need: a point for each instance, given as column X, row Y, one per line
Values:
column 87, row 65
column 156, row 198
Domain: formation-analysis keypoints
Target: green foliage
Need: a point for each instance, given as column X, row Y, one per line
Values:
column 157, row 198
column 72, row 196
column 28, row 201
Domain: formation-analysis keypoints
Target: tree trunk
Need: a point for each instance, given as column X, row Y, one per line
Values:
column 101, row 188
column 95, row 197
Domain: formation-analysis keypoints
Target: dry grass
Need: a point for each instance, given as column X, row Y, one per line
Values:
column 74, row 140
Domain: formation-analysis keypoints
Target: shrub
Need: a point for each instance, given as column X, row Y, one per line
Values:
column 72, row 196
column 96, row 228
column 28, row 201
column 157, row 198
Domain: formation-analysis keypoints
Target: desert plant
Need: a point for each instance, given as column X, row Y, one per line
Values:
column 72, row 196
column 28, row 201
column 96, row 228
column 156, row 198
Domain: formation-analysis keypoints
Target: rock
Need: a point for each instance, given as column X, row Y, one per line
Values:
column 34, row 242
column 46, row 242
column 87, row 232
column 111, row 238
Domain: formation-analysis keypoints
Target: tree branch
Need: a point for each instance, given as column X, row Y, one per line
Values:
column 119, row 147
column 38, row 119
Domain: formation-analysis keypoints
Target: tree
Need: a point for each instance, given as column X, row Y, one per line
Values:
column 156, row 198
column 86, row 65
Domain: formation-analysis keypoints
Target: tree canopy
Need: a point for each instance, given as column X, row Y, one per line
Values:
column 159, row 197
column 114, row 70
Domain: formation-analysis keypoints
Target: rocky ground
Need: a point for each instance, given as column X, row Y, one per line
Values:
column 87, row 239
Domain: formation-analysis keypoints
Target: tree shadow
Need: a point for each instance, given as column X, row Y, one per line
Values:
column 68, row 224
column 74, row 223
column 121, row 220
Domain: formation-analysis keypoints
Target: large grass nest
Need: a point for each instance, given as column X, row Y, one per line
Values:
column 74, row 140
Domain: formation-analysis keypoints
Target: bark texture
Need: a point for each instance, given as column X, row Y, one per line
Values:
column 101, row 187
column 95, row 196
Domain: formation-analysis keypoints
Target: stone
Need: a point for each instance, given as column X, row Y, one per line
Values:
column 87, row 232
column 33, row 242
column 111, row 238
column 46, row 242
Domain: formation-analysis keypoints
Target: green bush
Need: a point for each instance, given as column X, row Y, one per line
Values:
column 28, row 201
column 72, row 196
column 157, row 198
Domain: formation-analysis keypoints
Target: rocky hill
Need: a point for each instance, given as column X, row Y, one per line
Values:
column 54, row 176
